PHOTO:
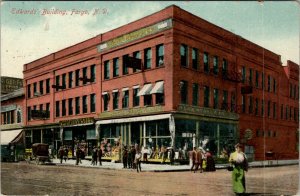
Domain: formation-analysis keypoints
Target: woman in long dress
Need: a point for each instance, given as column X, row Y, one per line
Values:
column 240, row 164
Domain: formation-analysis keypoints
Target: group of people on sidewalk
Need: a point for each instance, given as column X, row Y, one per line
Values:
column 132, row 157
column 202, row 159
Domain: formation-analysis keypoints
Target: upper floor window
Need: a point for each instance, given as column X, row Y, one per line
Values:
column 57, row 82
column 195, row 58
column 48, row 85
column 256, row 106
column 250, row 105
column 184, row 55
column 93, row 102
column 147, row 58
column 262, row 108
column 256, row 79
column 57, row 110
column 216, row 65
column 115, row 99
column 195, row 94
column 93, row 73
column 28, row 91
column 106, row 70
column 274, row 110
column 28, row 113
column 225, row 100
column 233, row 104
column 64, row 78
column 206, row 62
column 70, row 108
column 77, row 75
column 269, row 83
column 243, row 74
column 206, row 96
column 159, row 55
column 216, row 98
column 70, row 79
column 115, row 67
column 84, row 104
column 19, row 116
column 34, row 88
column 243, row 104
column 137, row 55
column 84, row 75
column 263, row 81
column 63, row 107
column 224, row 67
column 269, row 108
column 136, row 98
column 184, row 91
column 125, row 101
column 125, row 66
column 250, row 76
column 42, row 87
column 77, row 105
column 105, row 101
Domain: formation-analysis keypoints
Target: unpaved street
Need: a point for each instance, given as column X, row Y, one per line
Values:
column 22, row 178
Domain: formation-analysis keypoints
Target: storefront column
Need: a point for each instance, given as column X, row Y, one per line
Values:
column 218, row 139
column 141, row 131
column 172, row 130
column 61, row 131
column 42, row 141
column 129, row 134
column 97, row 129
column 144, row 134
column 197, row 133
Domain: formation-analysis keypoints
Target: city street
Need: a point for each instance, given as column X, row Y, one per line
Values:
column 29, row 179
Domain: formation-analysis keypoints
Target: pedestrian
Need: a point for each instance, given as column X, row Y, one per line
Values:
column 240, row 164
column 129, row 158
column 210, row 162
column 61, row 154
column 193, row 158
column 94, row 156
column 133, row 152
column 99, row 155
column 137, row 160
column 125, row 157
column 65, row 153
column 198, row 161
column 78, row 155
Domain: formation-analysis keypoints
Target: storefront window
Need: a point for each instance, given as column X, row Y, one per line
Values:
column 36, row 136
column 157, row 134
column 184, row 135
column 67, row 134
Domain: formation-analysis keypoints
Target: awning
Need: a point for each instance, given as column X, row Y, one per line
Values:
column 104, row 93
column 134, row 119
column 125, row 89
column 158, row 88
column 11, row 136
column 145, row 90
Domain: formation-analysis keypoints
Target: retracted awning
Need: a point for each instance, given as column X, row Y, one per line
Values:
column 145, row 90
column 158, row 88
column 11, row 136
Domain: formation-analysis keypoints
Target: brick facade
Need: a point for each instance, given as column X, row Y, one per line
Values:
column 177, row 31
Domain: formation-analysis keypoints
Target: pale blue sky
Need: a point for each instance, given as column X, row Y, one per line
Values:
column 26, row 37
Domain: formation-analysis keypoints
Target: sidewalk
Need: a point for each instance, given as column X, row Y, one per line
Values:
column 170, row 168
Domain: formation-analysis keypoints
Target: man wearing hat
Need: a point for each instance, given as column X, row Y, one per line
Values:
column 240, row 164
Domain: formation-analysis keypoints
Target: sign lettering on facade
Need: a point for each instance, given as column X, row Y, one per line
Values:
column 72, row 122
column 123, row 39
column 9, row 84
column 208, row 112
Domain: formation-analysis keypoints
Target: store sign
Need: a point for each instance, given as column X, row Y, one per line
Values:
column 9, row 84
column 131, row 112
column 73, row 122
column 123, row 39
column 209, row 112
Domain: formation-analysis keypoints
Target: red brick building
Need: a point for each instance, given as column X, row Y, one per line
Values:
column 170, row 79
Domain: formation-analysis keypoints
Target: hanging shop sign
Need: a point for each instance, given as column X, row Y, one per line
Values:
column 74, row 122
column 123, row 39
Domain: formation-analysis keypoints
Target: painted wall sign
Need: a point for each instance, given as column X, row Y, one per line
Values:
column 9, row 84
column 123, row 39
column 72, row 122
